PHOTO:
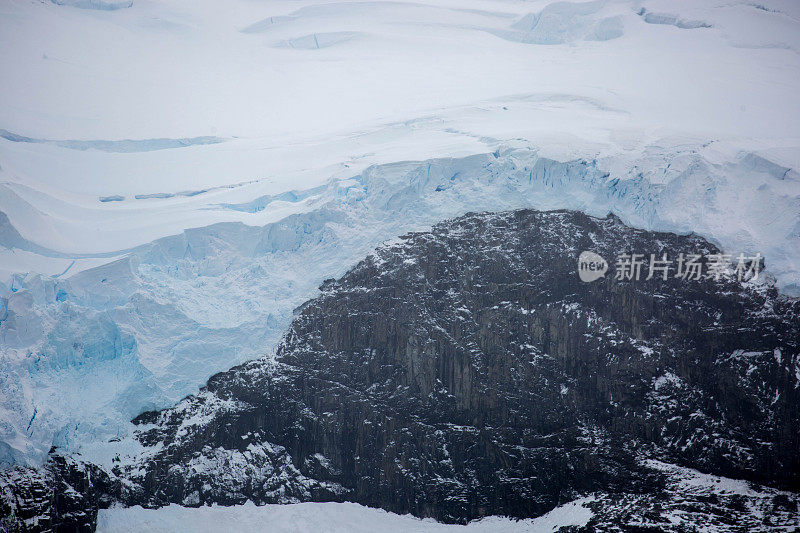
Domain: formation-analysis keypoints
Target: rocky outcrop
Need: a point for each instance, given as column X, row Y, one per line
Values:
column 65, row 495
column 467, row 371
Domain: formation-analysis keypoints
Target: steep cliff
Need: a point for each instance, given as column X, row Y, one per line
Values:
column 64, row 495
column 468, row 371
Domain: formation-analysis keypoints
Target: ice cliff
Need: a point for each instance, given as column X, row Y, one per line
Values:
column 83, row 354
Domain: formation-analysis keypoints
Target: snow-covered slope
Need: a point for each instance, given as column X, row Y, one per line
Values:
column 177, row 176
column 226, row 102
column 693, row 498
column 323, row 518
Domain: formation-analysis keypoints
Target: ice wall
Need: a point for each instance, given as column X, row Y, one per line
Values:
column 81, row 355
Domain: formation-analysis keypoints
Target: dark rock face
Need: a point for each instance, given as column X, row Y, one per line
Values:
column 467, row 371
column 63, row 496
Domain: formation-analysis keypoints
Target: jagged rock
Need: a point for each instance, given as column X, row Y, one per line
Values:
column 468, row 371
column 64, row 495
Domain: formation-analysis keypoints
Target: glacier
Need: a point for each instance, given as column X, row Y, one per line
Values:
column 83, row 354
column 176, row 178
column 186, row 174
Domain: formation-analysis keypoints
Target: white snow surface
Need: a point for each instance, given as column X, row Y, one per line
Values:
column 321, row 518
column 683, row 484
column 176, row 176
